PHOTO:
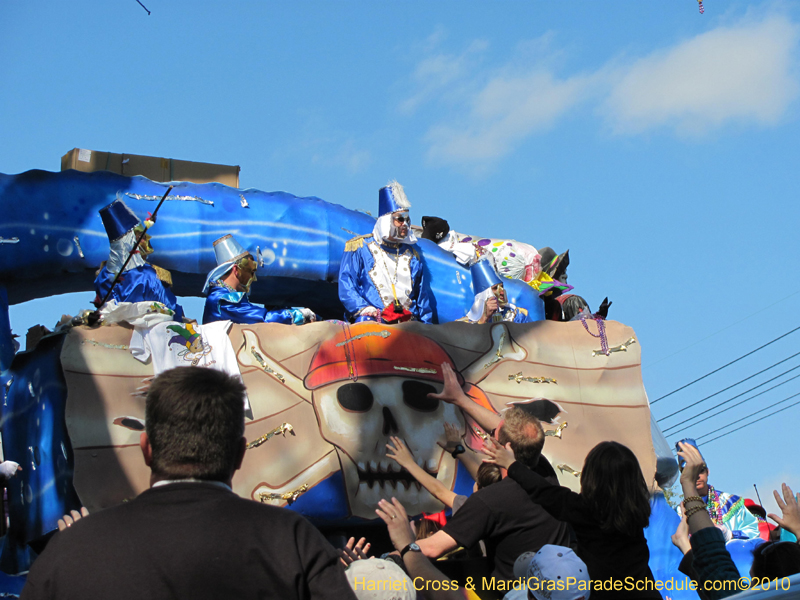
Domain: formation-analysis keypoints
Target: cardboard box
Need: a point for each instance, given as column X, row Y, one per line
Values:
column 154, row 168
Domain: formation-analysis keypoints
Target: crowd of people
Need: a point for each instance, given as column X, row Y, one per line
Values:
column 189, row 535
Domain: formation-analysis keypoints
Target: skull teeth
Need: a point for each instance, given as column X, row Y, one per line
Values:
column 386, row 475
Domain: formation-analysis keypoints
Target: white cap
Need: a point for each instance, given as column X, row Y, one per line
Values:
column 378, row 579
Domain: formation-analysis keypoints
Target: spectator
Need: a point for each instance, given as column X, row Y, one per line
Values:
column 608, row 516
column 189, row 535
column 723, row 508
column 778, row 559
column 429, row 581
column 503, row 515
column 552, row 573
column 378, row 579
column 711, row 561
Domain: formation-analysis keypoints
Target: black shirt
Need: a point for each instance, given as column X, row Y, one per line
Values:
column 504, row 516
column 607, row 554
column 189, row 540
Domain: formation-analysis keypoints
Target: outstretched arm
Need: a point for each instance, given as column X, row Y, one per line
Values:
column 453, row 394
column 417, row 563
column 399, row 452
column 710, row 558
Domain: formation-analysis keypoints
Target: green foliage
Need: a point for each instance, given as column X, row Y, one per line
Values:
column 674, row 496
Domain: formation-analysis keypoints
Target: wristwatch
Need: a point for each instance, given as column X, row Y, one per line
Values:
column 459, row 449
column 412, row 547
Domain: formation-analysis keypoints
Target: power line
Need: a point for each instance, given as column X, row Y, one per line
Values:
column 760, row 310
column 756, row 421
column 755, row 387
column 734, row 405
column 772, row 366
column 726, row 365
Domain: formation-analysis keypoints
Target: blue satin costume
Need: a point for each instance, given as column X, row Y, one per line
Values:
column 140, row 284
column 514, row 314
column 224, row 304
column 357, row 290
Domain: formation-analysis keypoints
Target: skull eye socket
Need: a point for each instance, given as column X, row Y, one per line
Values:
column 355, row 397
column 415, row 395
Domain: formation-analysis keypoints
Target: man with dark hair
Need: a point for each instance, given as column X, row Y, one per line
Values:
column 501, row 514
column 189, row 535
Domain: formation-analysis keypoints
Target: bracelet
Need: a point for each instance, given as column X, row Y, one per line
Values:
column 693, row 499
column 694, row 510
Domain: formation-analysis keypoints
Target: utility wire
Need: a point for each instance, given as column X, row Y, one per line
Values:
column 731, row 398
column 756, row 421
column 772, row 366
column 733, row 405
column 726, row 365
column 760, row 310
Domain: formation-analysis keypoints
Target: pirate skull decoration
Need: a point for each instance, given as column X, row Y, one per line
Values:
column 370, row 383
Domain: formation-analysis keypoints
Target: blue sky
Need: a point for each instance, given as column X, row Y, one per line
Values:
column 659, row 145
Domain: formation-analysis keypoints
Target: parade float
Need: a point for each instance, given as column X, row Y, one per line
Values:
column 73, row 403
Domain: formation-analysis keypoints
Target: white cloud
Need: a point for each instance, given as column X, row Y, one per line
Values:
column 441, row 74
column 345, row 155
column 744, row 73
column 489, row 111
column 506, row 111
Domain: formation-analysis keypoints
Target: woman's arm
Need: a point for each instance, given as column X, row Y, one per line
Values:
column 399, row 452
column 562, row 503
column 711, row 560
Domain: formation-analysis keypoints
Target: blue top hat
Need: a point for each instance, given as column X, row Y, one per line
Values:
column 483, row 276
column 118, row 220
column 227, row 251
column 392, row 198
column 690, row 442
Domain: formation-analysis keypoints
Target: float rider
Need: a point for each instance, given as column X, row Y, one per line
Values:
column 140, row 282
column 227, row 289
column 491, row 303
column 381, row 277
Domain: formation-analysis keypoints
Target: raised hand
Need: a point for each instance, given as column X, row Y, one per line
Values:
column 502, row 456
column 70, row 519
column 399, row 452
column 452, row 392
column 694, row 464
column 790, row 507
column 396, row 519
column 681, row 536
column 452, row 436
column 354, row 551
